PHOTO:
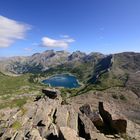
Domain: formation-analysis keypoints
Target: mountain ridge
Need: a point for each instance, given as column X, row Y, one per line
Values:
column 121, row 69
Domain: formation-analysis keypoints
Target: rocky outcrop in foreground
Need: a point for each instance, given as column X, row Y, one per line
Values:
column 49, row 119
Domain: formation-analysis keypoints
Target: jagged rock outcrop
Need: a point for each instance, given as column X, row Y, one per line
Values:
column 76, row 56
column 42, row 119
column 103, row 120
column 48, row 119
column 93, row 116
column 117, row 125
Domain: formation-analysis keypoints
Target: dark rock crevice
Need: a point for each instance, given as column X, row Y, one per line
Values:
column 40, row 124
column 103, row 121
column 8, row 138
column 82, row 131
column 107, row 119
column 54, row 116
column 27, row 135
column 37, row 98
column 111, row 126
column 93, row 116
column 52, row 137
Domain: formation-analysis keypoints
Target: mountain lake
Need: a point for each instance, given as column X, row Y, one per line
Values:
column 62, row 80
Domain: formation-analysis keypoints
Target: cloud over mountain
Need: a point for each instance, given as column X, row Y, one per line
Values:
column 53, row 43
column 10, row 31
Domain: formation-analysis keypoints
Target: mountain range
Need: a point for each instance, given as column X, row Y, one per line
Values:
column 31, row 110
column 122, row 69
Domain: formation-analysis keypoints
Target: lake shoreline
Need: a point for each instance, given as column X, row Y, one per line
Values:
column 63, row 75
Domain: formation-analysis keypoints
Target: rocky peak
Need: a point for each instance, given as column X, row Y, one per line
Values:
column 48, row 119
column 35, row 54
column 49, row 53
column 93, row 56
column 76, row 55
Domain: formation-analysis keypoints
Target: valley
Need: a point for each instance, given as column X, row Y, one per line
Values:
column 112, row 79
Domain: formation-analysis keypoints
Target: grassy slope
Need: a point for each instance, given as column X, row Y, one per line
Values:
column 117, row 76
column 12, row 85
column 14, row 91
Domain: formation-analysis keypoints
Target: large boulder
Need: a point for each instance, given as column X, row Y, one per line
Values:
column 112, row 125
column 70, row 134
column 50, row 93
column 93, row 116
column 106, row 116
column 119, row 125
column 67, row 117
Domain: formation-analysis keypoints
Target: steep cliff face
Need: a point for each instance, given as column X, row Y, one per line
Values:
column 118, row 70
column 130, row 65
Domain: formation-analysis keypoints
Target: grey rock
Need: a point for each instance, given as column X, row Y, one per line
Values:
column 114, row 126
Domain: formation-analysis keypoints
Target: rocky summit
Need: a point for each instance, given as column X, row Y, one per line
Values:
column 48, row 118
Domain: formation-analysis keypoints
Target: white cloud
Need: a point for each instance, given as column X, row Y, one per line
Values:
column 52, row 43
column 11, row 30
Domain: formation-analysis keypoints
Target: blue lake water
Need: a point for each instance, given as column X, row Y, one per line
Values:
column 62, row 80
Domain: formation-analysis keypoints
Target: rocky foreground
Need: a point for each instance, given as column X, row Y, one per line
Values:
column 51, row 118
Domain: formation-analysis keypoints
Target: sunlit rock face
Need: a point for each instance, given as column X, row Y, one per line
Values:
column 47, row 118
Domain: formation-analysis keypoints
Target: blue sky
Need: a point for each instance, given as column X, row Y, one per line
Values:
column 106, row 26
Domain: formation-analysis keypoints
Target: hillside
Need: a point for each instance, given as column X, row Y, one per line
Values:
column 25, row 112
column 101, row 71
column 40, row 62
column 16, row 90
column 123, row 71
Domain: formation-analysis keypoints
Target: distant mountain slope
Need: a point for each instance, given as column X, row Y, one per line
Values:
column 35, row 63
column 128, row 63
column 122, row 69
column 40, row 62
